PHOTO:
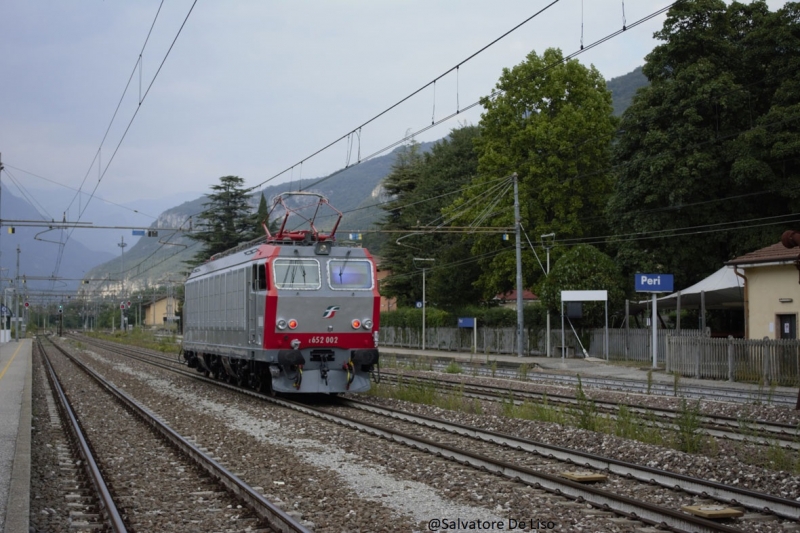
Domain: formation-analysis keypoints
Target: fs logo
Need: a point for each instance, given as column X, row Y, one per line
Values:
column 330, row 311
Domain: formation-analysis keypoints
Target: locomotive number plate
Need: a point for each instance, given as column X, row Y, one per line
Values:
column 321, row 339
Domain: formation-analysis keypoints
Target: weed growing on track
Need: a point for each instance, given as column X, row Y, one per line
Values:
column 523, row 372
column 676, row 382
column 585, row 413
column 779, row 458
column 649, row 380
column 425, row 393
column 494, row 368
column 689, row 437
column 453, row 368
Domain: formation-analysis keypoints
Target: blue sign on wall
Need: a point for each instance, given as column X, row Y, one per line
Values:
column 653, row 282
column 466, row 322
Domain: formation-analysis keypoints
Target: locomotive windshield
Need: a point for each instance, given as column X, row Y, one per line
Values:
column 296, row 274
column 344, row 274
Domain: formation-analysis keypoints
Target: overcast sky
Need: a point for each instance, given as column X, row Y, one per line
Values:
column 252, row 88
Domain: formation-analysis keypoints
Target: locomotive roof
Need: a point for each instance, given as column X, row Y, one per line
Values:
column 251, row 251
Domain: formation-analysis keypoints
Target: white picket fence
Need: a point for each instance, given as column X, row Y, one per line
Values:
column 768, row 361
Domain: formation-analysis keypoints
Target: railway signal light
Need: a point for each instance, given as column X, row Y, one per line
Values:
column 27, row 305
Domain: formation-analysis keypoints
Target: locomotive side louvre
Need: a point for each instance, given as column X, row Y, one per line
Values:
column 285, row 316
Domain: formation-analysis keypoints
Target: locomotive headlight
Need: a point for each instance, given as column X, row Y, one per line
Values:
column 356, row 323
column 281, row 324
column 367, row 323
column 292, row 323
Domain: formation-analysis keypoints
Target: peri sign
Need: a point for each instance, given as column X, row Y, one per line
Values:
column 653, row 282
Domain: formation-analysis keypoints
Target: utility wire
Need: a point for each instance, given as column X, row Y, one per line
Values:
column 432, row 82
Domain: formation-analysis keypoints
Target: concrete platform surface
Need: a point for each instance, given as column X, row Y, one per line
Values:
column 15, row 435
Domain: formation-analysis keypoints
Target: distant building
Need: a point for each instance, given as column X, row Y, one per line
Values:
column 509, row 299
column 160, row 313
column 771, row 291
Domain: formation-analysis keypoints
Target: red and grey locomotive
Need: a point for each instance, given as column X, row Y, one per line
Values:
column 295, row 312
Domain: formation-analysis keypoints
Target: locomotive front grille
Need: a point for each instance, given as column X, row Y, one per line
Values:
column 322, row 355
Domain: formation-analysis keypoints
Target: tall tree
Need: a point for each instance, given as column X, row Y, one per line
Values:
column 550, row 122
column 421, row 185
column 227, row 220
column 708, row 151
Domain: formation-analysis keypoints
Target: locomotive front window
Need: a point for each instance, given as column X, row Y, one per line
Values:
column 296, row 273
column 350, row 274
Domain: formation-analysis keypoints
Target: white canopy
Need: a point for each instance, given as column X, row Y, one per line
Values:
column 723, row 290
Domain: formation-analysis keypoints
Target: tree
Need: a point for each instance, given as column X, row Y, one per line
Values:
column 228, row 219
column 550, row 122
column 422, row 184
column 708, row 151
column 583, row 267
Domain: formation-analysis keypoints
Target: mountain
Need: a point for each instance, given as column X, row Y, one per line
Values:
column 40, row 253
column 623, row 88
column 161, row 260
column 104, row 215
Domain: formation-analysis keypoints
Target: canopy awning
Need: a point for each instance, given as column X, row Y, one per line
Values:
column 722, row 290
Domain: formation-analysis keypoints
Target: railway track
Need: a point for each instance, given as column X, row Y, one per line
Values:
column 760, row 432
column 653, row 513
column 195, row 460
column 89, row 497
column 719, row 426
column 513, row 372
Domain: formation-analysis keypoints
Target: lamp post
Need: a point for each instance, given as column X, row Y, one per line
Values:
column 122, row 244
column 547, row 242
column 424, row 303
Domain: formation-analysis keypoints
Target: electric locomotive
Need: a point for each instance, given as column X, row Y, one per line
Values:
column 293, row 312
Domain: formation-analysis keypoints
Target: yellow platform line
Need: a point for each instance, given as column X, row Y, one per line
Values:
column 3, row 373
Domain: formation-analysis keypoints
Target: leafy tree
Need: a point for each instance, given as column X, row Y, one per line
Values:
column 227, row 219
column 583, row 267
column 421, row 185
column 400, row 185
column 708, row 151
column 550, row 122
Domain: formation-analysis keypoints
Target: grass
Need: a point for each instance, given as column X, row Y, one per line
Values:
column 689, row 437
column 425, row 393
column 453, row 368
column 142, row 339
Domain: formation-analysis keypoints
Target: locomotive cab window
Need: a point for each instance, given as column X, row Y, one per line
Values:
column 350, row 274
column 260, row 282
column 300, row 274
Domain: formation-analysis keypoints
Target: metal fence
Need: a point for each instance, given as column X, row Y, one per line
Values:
column 635, row 344
column 692, row 353
column 768, row 361
column 630, row 344
column 489, row 340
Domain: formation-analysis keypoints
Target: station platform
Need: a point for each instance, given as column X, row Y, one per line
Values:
column 639, row 372
column 16, row 381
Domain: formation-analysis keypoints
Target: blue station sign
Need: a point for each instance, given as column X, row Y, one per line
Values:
column 466, row 322
column 653, row 282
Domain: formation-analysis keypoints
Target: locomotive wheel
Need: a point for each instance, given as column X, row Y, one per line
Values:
column 265, row 384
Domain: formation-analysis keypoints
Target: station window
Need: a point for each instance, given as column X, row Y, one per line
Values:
column 350, row 274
